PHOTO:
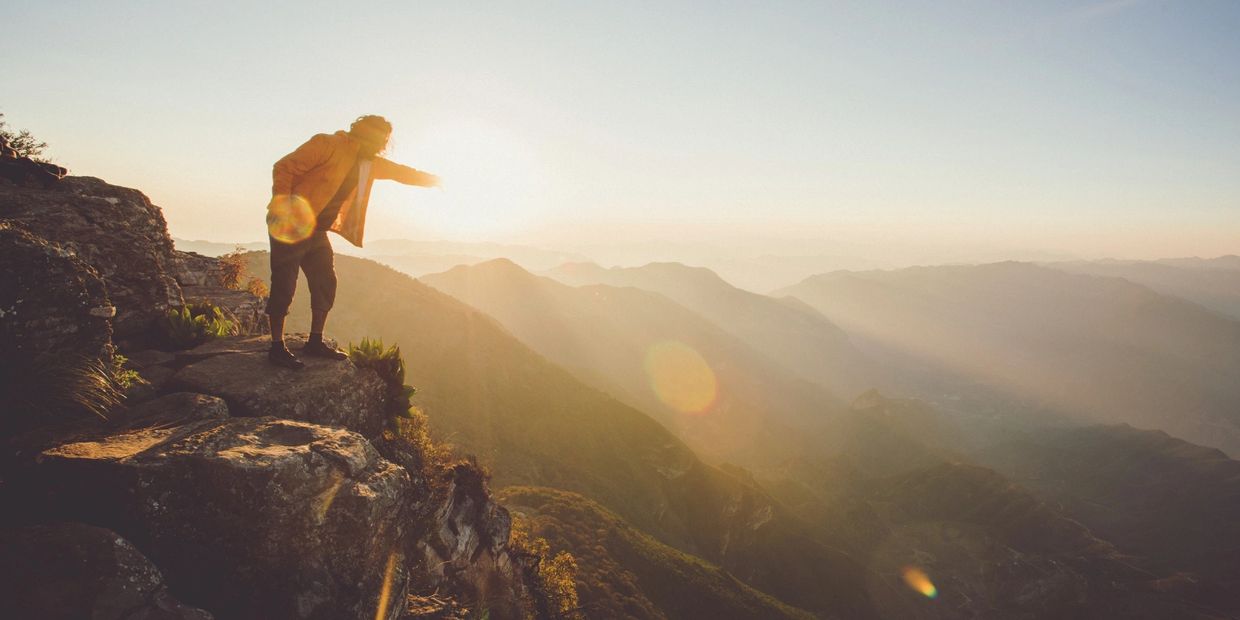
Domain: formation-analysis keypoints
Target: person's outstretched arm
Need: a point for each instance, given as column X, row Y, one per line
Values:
column 386, row 169
column 315, row 152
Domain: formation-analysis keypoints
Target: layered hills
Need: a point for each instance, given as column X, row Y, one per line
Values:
column 1171, row 505
column 1030, row 338
column 627, row 573
column 831, row 532
column 790, row 333
column 735, row 404
column 1213, row 283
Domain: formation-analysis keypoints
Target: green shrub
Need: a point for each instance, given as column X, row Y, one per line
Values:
column 407, row 424
column 232, row 269
column 234, row 273
column 554, row 587
column 25, row 144
column 125, row 377
column 194, row 324
column 257, row 288
column 391, row 368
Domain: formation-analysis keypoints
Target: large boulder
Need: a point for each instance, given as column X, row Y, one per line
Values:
column 246, row 517
column 115, row 230
column 67, row 571
column 194, row 269
column 330, row 392
column 50, row 300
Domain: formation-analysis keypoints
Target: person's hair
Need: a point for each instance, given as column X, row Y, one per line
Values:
column 370, row 124
column 371, row 128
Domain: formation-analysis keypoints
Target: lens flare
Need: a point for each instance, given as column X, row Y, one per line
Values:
column 325, row 499
column 680, row 377
column 385, row 594
column 289, row 218
column 918, row 581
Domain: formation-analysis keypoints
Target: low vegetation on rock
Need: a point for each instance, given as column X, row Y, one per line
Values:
column 194, row 324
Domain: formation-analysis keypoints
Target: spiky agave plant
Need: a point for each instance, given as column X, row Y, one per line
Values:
column 386, row 361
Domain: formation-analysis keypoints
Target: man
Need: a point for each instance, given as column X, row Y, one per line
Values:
column 323, row 186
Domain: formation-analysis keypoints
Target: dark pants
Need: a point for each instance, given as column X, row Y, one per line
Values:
column 313, row 256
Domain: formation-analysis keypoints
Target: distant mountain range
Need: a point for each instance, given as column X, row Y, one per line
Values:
column 785, row 330
column 217, row 248
column 414, row 257
column 1043, row 340
column 1213, row 283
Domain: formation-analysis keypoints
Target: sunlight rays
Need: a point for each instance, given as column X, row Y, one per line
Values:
column 493, row 181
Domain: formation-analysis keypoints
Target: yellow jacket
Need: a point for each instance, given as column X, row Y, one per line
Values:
column 317, row 168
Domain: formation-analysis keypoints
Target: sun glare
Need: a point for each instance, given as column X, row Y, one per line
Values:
column 492, row 180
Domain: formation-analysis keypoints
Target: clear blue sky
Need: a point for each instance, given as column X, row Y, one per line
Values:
column 1093, row 128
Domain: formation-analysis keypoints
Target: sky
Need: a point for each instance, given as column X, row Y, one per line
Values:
column 900, row 132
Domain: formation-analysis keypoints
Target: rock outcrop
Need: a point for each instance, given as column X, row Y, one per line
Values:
column 467, row 546
column 67, row 571
column 115, row 230
column 26, row 172
column 249, row 517
column 258, row 492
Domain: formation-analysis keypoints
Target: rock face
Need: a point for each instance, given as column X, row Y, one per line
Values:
column 325, row 392
column 49, row 299
column 68, row 571
column 249, row 517
column 117, row 231
column 202, row 281
column 194, row 269
column 467, row 548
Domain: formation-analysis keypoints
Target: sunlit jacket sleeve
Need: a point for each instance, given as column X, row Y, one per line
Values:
column 385, row 169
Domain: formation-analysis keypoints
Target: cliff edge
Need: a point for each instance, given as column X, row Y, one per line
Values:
column 148, row 479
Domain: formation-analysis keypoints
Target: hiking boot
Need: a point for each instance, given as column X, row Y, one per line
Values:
column 284, row 358
column 321, row 349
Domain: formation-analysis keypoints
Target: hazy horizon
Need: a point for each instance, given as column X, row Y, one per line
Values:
column 940, row 133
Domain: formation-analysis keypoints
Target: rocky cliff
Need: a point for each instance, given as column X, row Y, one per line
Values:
column 221, row 486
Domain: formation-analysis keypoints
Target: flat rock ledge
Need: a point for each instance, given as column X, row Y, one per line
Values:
column 329, row 392
column 247, row 517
